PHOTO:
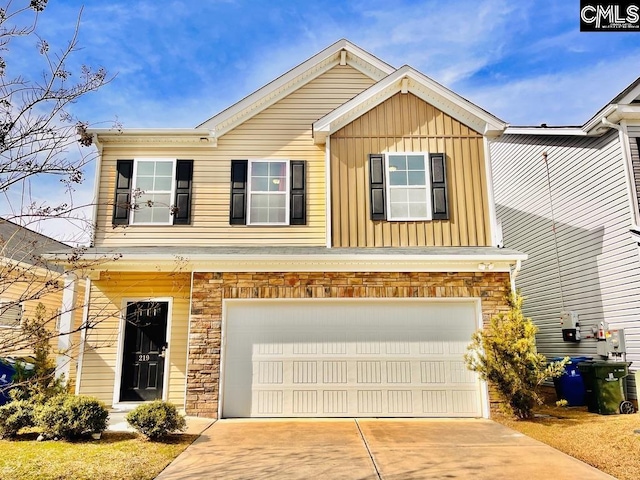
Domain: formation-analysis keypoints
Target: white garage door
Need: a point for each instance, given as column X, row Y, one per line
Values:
column 349, row 358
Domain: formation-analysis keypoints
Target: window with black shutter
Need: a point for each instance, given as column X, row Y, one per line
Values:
column 268, row 192
column 408, row 186
column 153, row 191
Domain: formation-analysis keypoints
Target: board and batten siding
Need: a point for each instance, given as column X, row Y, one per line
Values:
column 100, row 359
column 405, row 123
column 595, row 270
column 281, row 131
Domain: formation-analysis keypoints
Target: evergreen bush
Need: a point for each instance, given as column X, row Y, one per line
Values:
column 505, row 355
column 156, row 420
column 71, row 417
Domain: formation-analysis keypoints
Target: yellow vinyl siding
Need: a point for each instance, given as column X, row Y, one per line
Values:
column 282, row 131
column 12, row 341
column 106, row 301
column 405, row 123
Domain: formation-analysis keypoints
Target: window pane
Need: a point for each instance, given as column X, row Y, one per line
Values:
column 417, row 195
column 161, row 200
column 277, row 215
column 146, row 168
column 162, row 183
column 398, row 195
column 415, row 162
column 397, row 162
column 259, row 215
column 278, row 201
column 142, row 213
column 277, row 169
column 400, row 210
column 277, row 184
column 144, row 183
column 260, row 169
column 416, row 178
column 160, row 214
column 260, row 184
column 398, row 178
column 417, row 210
column 164, row 168
column 259, row 201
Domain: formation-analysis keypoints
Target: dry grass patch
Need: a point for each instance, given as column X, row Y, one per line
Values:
column 117, row 456
column 607, row 442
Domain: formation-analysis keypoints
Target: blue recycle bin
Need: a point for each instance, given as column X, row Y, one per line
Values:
column 570, row 385
column 6, row 378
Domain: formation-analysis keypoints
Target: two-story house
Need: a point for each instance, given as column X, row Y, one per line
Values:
column 568, row 197
column 324, row 247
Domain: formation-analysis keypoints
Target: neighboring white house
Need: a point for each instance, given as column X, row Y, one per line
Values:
column 568, row 197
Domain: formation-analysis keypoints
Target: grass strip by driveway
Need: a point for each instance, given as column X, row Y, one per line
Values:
column 117, row 456
column 608, row 442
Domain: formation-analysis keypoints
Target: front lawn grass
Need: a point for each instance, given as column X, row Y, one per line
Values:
column 116, row 456
column 608, row 442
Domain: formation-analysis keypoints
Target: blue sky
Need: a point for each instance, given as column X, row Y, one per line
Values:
column 179, row 62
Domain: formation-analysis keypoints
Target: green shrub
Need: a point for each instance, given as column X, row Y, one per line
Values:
column 70, row 417
column 14, row 416
column 156, row 420
column 505, row 355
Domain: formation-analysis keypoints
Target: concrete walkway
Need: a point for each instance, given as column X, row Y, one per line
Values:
column 371, row 449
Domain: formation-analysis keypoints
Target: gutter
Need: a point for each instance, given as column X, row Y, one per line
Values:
column 515, row 270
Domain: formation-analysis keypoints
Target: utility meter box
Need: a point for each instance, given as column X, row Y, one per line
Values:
column 614, row 343
column 570, row 325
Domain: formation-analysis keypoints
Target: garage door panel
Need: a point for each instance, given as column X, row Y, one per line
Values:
column 348, row 358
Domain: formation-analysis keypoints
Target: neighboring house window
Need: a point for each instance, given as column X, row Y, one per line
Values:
column 408, row 186
column 10, row 314
column 153, row 191
column 268, row 192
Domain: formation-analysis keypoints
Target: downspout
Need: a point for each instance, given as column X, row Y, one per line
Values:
column 624, row 146
column 514, row 270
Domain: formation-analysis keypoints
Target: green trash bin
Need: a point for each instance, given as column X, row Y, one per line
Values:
column 603, row 385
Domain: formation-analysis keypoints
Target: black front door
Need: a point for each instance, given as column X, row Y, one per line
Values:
column 145, row 342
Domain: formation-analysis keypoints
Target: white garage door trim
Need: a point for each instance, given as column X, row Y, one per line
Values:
column 234, row 303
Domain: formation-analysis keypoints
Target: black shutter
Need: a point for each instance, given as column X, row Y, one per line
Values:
column 184, row 175
column 238, row 207
column 298, row 202
column 122, row 197
column 377, row 187
column 439, row 202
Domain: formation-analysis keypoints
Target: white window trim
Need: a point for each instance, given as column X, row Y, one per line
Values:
column 287, row 192
column 388, row 188
column 134, row 187
column 19, row 325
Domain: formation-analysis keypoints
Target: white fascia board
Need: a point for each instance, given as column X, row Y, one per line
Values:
column 544, row 131
column 613, row 113
column 632, row 94
column 595, row 123
column 312, row 263
column 421, row 86
column 194, row 137
column 294, row 79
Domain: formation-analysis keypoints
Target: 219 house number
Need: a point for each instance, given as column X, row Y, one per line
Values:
column 144, row 357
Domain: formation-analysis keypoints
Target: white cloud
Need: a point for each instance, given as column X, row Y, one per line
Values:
column 565, row 98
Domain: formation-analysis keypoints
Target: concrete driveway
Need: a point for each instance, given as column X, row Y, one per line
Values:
column 371, row 449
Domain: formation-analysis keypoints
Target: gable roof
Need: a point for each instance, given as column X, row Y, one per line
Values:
column 342, row 52
column 406, row 79
column 21, row 244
